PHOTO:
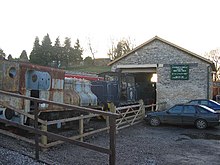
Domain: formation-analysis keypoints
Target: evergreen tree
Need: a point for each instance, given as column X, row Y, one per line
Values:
column 35, row 55
column 10, row 57
column 42, row 54
column 67, row 52
column 47, row 50
column 57, row 53
column 23, row 56
column 2, row 54
column 78, row 51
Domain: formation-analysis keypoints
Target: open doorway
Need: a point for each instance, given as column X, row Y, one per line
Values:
column 146, row 87
column 34, row 93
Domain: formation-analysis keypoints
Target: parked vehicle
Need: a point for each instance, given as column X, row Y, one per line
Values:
column 185, row 114
column 118, row 88
column 209, row 103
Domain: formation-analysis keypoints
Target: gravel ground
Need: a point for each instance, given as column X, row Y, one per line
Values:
column 136, row 145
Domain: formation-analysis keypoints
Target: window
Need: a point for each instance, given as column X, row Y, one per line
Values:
column 204, row 102
column 194, row 102
column 213, row 104
column 34, row 77
column 189, row 110
column 202, row 110
column 12, row 72
column 176, row 109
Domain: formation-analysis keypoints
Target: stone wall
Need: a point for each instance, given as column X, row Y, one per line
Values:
column 172, row 91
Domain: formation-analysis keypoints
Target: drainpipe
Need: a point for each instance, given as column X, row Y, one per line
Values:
column 208, row 68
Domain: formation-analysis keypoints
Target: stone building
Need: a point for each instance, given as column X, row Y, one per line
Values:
column 181, row 74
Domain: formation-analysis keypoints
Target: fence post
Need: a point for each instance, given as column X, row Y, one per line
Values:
column 107, row 123
column 112, row 108
column 112, row 157
column 141, row 102
column 152, row 107
column 43, row 137
column 81, row 128
column 36, row 127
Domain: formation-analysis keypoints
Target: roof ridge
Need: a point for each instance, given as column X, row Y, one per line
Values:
column 165, row 41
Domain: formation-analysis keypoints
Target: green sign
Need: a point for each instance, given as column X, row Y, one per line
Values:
column 179, row 72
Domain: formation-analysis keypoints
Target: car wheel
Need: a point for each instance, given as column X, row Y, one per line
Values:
column 201, row 124
column 154, row 121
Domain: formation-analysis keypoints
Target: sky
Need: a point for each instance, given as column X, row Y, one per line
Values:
column 191, row 24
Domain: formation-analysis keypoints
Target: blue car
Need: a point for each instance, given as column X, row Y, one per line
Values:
column 185, row 114
column 209, row 103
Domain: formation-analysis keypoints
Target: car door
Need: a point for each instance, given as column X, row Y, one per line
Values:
column 189, row 114
column 173, row 115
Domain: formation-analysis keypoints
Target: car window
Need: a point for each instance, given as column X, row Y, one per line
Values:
column 189, row 109
column 204, row 102
column 193, row 102
column 176, row 109
column 213, row 104
column 203, row 110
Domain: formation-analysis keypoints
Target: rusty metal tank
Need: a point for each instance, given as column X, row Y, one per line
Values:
column 87, row 90
column 70, row 95
column 80, row 89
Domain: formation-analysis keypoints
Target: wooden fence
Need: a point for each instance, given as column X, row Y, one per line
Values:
column 156, row 107
column 44, row 133
column 128, row 115
column 133, row 114
column 118, row 118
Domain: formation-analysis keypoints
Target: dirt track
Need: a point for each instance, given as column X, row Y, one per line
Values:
column 139, row 144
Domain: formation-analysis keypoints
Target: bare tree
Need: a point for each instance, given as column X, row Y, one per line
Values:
column 122, row 47
column 92, row 51
column 214, row 55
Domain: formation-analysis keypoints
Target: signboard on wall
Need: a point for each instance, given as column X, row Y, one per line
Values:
column 180, row 72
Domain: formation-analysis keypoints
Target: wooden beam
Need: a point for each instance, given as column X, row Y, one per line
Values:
column 51, row 144
column 58, row 137
column 71, row 119
column 21, row 112
column 68, row 106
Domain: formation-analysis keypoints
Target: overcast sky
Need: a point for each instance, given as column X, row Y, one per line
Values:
column 191, row 24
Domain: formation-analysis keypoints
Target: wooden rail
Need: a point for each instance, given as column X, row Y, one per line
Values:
column 132, row 114
column 111, row 151
column 156, row 107
column 128, row 115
